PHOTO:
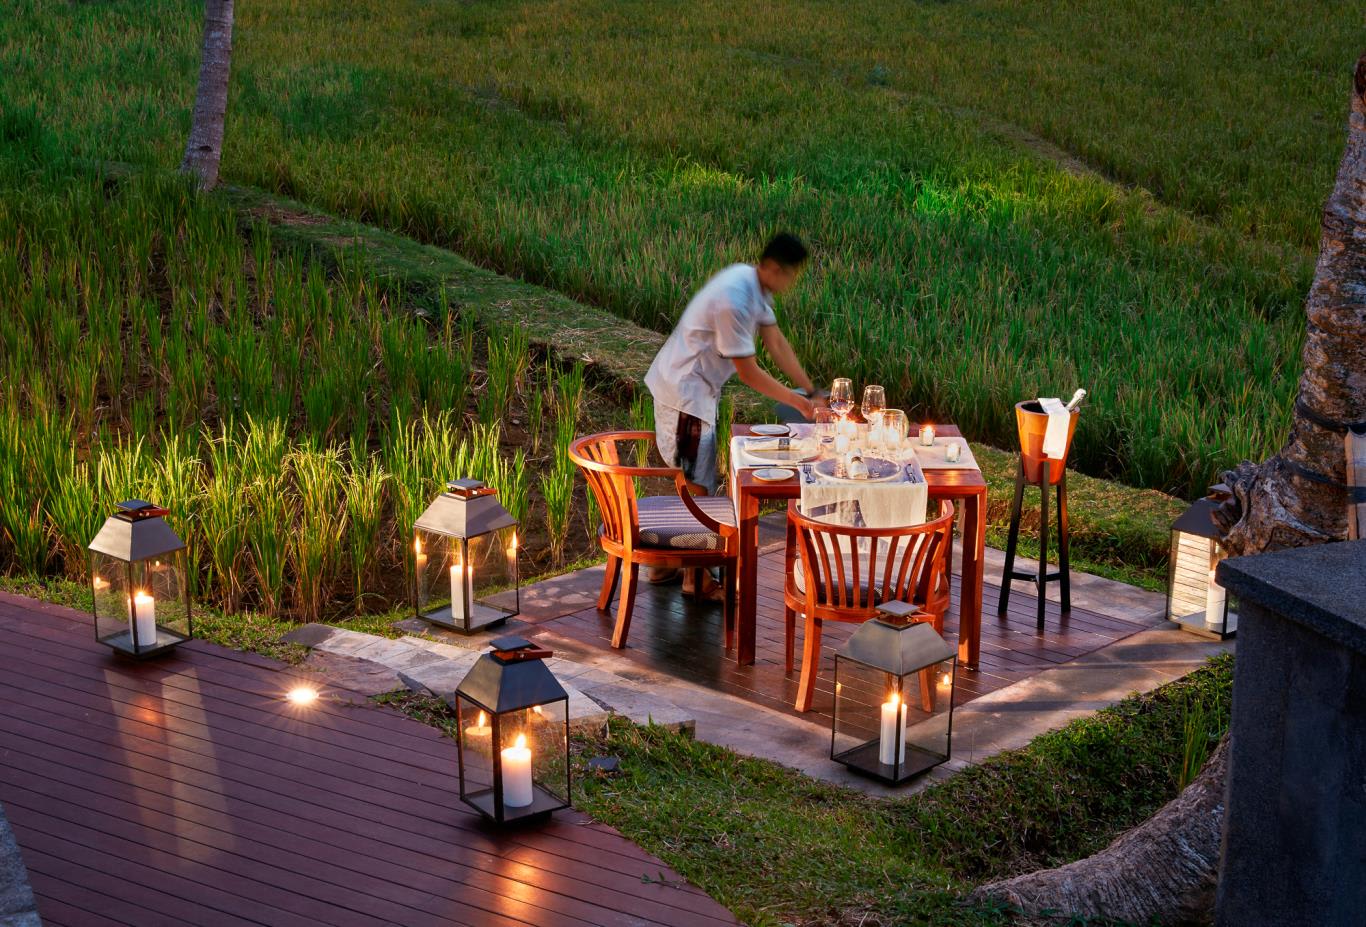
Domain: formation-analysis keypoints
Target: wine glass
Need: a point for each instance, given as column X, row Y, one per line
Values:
column 874, row 401
column 842, row 396
column 825, row 425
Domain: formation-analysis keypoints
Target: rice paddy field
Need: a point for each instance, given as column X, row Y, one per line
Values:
column 295, row 419
column 1005, row 198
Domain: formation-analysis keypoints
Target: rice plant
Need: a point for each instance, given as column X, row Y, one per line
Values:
column 315, row 544
column 365, row 494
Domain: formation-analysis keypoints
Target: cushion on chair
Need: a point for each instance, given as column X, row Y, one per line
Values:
column 799, row 580
column 666, row 522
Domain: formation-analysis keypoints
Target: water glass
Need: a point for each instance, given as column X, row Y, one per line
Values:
column 895, row 427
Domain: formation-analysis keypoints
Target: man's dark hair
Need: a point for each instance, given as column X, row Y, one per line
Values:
column 786, row 249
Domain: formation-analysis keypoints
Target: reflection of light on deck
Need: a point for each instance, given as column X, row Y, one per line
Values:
column 302, row 695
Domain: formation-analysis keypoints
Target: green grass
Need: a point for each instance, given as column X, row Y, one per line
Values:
column 779, row 848
column 620, row 152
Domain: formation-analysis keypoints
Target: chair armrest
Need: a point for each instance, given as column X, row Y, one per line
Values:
column 685, row 493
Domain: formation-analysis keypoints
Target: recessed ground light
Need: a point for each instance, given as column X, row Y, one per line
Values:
column 303, row 695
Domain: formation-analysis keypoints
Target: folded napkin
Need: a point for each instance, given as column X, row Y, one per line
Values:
column 1055, row 435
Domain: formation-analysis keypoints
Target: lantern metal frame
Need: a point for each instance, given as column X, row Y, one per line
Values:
column 510, row 678
column 134, row 536
column 1198, row 522
column 467, row 510
column 900, row 643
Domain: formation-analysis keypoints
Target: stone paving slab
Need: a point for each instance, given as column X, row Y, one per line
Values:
column 17, row 905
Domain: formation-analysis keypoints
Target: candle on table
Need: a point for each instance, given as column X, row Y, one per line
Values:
column 841, row 444
column 891, row 746
column 952, row 451
column 517, row 774
column 459, row 607
column 142, row 623
column 927, row 436
column 1214, row 604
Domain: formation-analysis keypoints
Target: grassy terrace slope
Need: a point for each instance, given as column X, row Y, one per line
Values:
column 618, row 152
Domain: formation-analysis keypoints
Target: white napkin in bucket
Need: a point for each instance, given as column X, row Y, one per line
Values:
column 1055, row 435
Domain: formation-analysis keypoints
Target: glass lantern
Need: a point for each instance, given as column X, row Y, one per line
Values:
column 139, row 581
column 465, row 559
column 513, row 734
column 1194, row 600
column 894, row 682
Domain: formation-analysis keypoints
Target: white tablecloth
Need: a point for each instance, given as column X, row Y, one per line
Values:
column 933, row 458
column 887, row 504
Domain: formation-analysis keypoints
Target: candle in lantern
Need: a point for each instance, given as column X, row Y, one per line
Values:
column 142, row 620
column 1214, row 604
column 952, row 451
column 480, row 728
column 100, row 584
column 512, row 554
column 891, row 746
column 419, row 563
column 517, row 774
column 927, row 436
column 459, row 605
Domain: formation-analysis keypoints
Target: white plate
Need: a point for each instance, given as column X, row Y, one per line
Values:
column 773, row 474
column 771, row 431
column 879, row 471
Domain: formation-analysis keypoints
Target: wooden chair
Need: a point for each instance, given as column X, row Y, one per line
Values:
column 689, row 530
column 835, row 581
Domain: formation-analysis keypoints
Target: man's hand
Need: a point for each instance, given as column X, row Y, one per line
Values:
column 803, row 405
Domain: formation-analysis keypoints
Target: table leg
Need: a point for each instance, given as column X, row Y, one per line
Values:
column 970, row 589
column 748, row 576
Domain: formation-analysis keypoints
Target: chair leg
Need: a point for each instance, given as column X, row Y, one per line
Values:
column 1064, row 533
column 811, row 664
column 728, row 579
column 1042, row 581
column 1012, row 540
column 789, row 636
column 609, row 583
column 927, row 692
column 626, row 605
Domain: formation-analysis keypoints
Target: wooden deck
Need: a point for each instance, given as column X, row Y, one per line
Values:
column 684, row 639
column 187, row 791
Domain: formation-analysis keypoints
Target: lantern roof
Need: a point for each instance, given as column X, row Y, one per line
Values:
column 137, row 531
column 890, row 645
column 510, row 677
column 1198, row 519
column 466, row 509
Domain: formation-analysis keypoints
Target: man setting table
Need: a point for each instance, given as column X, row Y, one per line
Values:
column 714, row 339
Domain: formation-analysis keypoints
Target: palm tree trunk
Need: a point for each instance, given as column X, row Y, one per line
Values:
column 1166, row 868
column 1298, row 497
column 204, row 148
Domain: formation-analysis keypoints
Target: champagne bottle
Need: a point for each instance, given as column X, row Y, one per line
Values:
column 1076, row 399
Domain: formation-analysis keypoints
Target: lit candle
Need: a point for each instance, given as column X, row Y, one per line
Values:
column 841, row 444
column 952, row 451
column 892, row 742
column 517, row 774
column 142, row 623
column 479, row 728
column 927, row 436
column 419, row 564
column 512, row 555
column 459, row 607
column 101, row 584
column 1214, row 604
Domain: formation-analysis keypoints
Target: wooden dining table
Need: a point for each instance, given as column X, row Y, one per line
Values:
column 966, row 488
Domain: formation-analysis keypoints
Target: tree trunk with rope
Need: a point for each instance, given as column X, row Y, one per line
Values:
column 1166, row 868
column 204, row 149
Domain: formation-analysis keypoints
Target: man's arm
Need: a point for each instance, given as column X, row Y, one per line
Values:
column 785, row 358
column 756, row 378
